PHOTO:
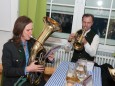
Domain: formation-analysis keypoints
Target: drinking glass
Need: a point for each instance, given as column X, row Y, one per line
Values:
column 71, row 77
column 81, row 70
column 68, row 47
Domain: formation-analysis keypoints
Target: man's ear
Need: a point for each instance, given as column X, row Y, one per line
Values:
column 92, row 23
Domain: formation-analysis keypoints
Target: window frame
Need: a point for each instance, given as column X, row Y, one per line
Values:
column 77, row 19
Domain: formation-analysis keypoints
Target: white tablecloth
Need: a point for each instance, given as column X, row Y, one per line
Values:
column 58, row 78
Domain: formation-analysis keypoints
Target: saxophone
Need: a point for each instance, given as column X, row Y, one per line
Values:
column 50, row 26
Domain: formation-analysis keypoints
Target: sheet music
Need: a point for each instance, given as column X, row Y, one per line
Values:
column 52, row 50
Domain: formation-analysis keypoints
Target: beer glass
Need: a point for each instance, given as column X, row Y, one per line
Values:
column 81, row 69
column 71, row 76
column 68, row 47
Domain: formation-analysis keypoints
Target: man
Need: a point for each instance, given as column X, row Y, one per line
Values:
column 90, row 43
column 90, row 40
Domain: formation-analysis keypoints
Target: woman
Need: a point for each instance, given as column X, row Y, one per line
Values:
column 16, row 53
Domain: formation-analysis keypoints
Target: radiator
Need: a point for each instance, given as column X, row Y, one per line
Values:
column 105, row 57
column 101, row 57
column 60, row 55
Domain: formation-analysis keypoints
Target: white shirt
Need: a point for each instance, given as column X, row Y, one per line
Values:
column 91, row 49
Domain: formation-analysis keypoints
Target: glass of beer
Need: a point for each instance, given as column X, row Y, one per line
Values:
column 81, row 69
column 71, row 76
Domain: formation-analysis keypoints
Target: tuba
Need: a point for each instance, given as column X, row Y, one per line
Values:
column 49, row 27
column 112, row 73
column 78, row 45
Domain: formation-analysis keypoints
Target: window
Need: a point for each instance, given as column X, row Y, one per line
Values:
column 104, row 24
column 72, row 10
column 62, row 11
column 65, row 20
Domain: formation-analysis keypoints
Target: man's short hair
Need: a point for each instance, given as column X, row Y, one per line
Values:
column 88, row 15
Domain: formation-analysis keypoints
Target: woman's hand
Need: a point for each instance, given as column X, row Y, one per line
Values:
column 35, row 68
column 51, row 57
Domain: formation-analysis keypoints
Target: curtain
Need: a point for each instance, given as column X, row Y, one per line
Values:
column 36, row 10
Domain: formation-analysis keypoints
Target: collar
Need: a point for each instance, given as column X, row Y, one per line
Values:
column 87, row 32
column 24, row 43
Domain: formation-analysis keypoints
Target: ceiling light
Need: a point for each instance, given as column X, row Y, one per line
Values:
column 100, row 3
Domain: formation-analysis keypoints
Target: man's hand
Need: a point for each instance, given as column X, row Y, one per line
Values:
column 84, row 41
column 71, row 37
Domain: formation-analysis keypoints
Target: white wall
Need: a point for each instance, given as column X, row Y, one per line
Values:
column 8, row 15
column 4, row 36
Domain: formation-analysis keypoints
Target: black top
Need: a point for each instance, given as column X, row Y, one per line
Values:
column 14, row 62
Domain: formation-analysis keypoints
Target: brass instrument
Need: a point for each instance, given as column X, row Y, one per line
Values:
column 112, row 73
column 78, row 45
column 49, row 27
